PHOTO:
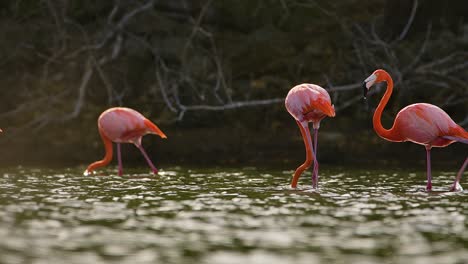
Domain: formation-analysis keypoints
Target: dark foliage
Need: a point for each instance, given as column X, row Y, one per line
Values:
column 213, row 74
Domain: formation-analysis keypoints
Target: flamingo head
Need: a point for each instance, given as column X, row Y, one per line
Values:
column 376, row 77
column 368, row 82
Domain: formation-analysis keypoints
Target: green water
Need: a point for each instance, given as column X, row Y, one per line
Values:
column 218, row 215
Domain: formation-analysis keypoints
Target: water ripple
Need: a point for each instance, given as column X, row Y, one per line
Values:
column 230, row 216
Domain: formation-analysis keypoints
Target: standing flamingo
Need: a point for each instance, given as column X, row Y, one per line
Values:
column 308, row 103
column 421, row 123
column 123, row 125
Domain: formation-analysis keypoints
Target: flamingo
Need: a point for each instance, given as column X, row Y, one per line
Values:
column 308, row 103
column 421, row 123
column 123, row 125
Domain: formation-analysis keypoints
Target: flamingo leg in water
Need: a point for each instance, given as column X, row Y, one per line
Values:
column 456, row 185
column 315, row 172
column 119, row 159
column 148, row 160
column 428, row 164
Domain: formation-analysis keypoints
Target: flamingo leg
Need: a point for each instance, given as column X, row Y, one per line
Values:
column 148, row 160
column 304, row 127
column 315, row 171
column 119, row 159
column 456, row 185
column 428, row 165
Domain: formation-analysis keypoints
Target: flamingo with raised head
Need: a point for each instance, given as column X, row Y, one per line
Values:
column 123, row 125
column 308, row 103
column 421, row 123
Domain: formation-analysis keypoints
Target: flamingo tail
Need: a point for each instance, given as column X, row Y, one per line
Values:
column 155, row 129
column 107, row 157
column 459, row 135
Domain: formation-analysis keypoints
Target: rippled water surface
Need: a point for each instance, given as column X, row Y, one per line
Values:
column 218, row 215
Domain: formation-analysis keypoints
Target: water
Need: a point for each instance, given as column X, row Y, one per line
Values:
column 226, row 216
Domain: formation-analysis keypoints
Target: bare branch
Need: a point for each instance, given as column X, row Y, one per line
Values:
column 443, row 60
column 196, row 28
column 229, row 106
column 456, row 68
column 113, row 12
column 162, row 88
column 346, row 87
column 234, row 105
column 422, row 50
column 118, row 27
column 107, row 83
column 410, row 20
column 81, row 92
column 464, row 122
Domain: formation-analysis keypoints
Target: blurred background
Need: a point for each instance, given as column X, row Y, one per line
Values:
column 213, row 75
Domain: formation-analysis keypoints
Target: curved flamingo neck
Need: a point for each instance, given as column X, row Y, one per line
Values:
column 309, row 154
column 388, row 134
column 107, row 157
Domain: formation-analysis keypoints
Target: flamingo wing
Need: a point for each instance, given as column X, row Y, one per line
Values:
column 122, row 124
column 424, row 124
column 309, row 100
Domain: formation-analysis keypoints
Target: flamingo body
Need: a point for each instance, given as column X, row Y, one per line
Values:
column 426, row 124
column 123, row 125
column 308, row 103
column 421, row 123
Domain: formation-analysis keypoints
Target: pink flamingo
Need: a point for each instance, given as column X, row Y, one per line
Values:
column 308, row 103
column 123, row 125
column 421, row 123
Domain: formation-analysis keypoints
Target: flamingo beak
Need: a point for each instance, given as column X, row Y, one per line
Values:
column 368, row 82
column 364, row 90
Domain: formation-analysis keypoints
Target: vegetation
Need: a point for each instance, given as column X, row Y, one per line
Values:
column 213, row 74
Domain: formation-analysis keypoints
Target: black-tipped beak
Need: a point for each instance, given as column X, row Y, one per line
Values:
column 364, row 89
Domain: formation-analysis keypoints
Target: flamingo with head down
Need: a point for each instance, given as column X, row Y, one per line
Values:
column 123, row 125
column 308, row 103
column 421, row 123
